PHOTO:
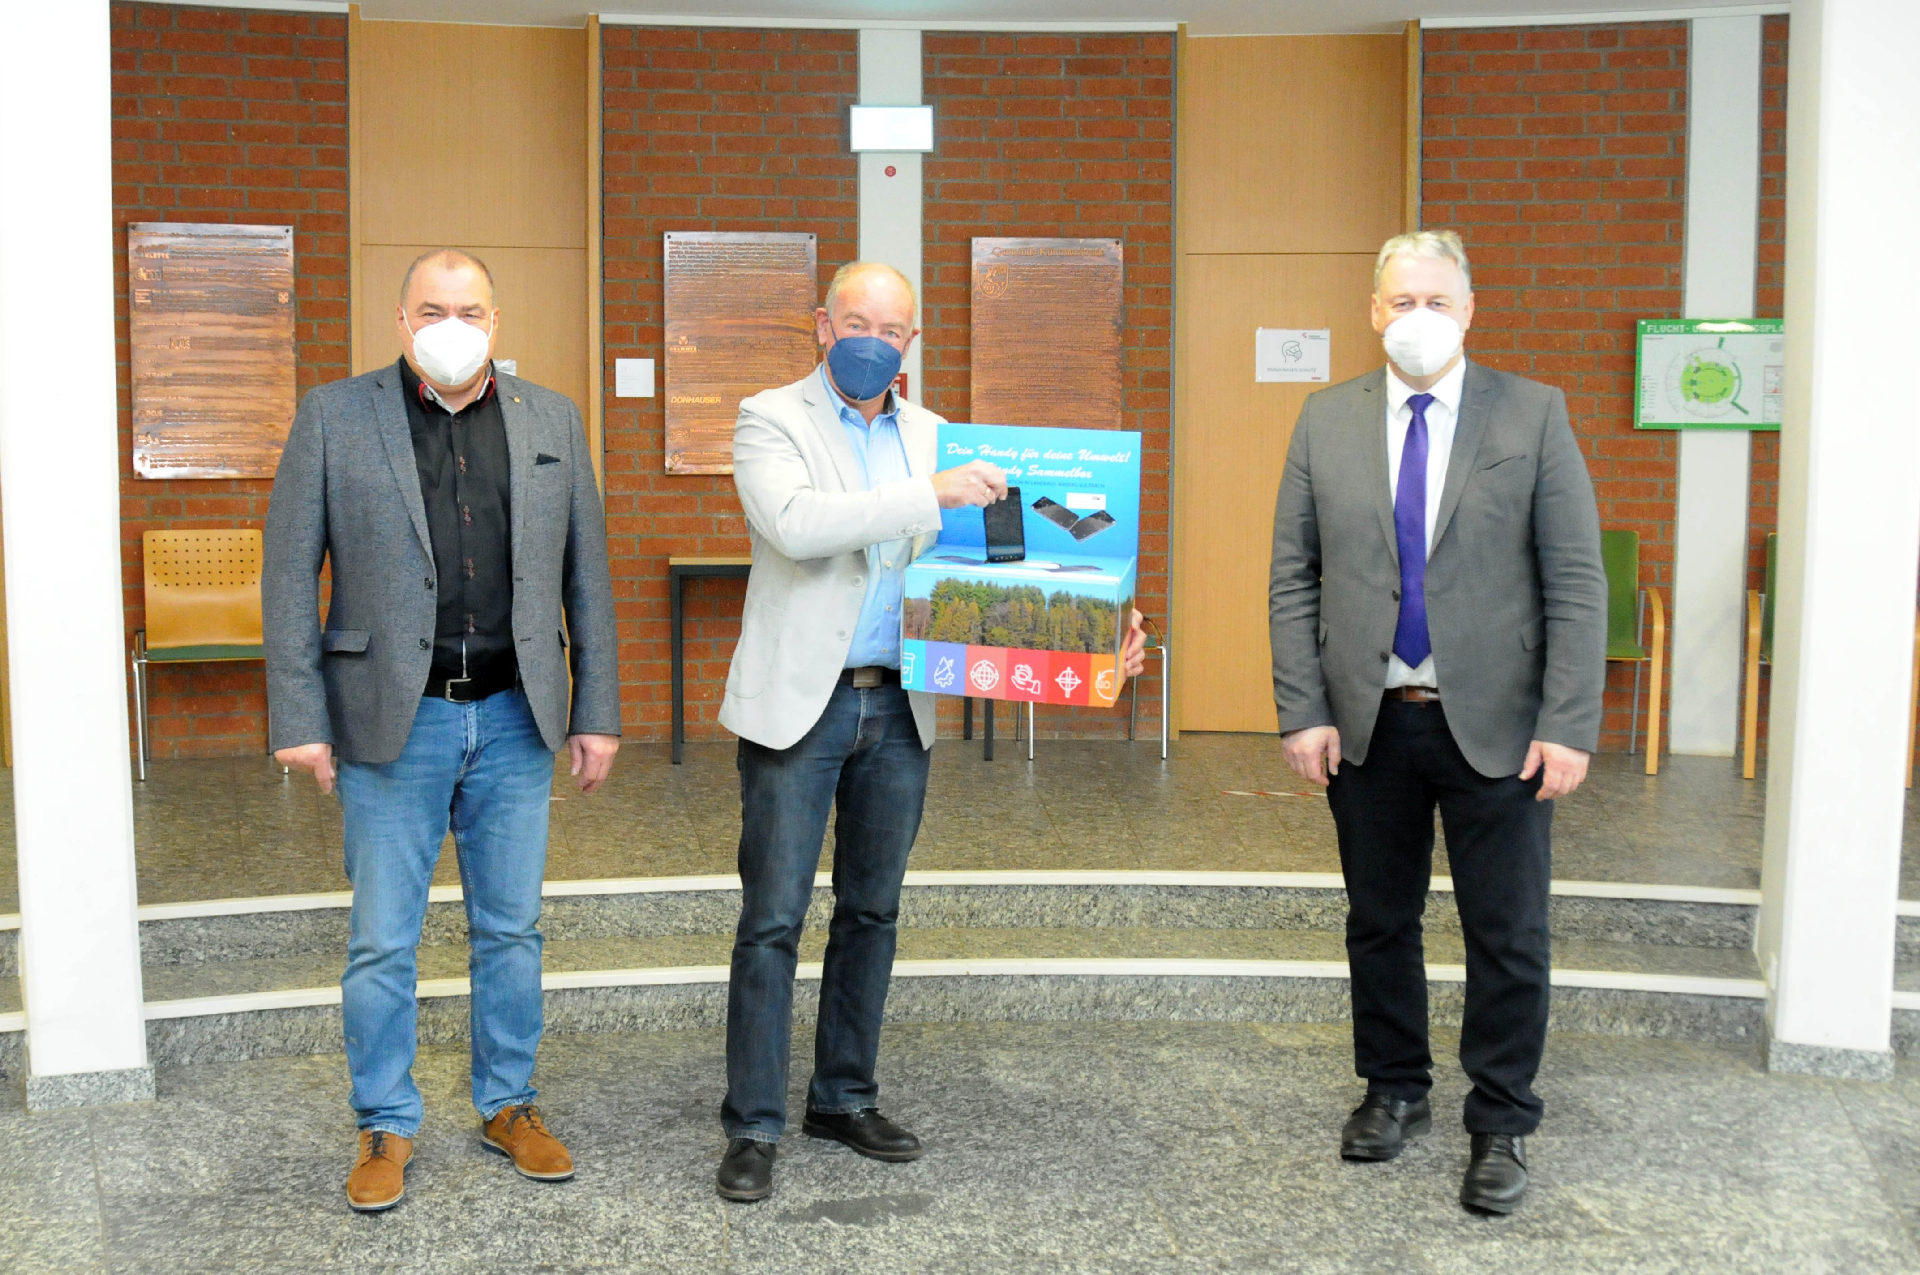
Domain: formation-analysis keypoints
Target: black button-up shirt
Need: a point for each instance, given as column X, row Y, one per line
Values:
column 464, row 480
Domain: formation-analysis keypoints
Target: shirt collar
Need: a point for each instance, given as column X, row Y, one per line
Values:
column 1446, row 391
column 430, row 396
column 889, row 409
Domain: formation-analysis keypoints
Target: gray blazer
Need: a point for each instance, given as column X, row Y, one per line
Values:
column 1516, row 594
column 348, row 490
column 811, row 523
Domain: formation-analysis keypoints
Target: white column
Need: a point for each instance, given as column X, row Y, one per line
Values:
column 890, row 201
column 59, row 487
column 1849, row 528
column 1710, row 522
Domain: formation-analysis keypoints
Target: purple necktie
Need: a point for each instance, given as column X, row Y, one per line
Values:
column 1410, row 640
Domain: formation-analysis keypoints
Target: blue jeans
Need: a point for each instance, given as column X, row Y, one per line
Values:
column 863, row 759
column 483, row 769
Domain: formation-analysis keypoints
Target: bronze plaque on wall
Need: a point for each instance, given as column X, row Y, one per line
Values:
column 210, row 321
column 739, row 320
column 1046, row 332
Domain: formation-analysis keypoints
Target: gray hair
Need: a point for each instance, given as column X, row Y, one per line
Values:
column 1436, row 245
column 445, row 257
column 846, row 274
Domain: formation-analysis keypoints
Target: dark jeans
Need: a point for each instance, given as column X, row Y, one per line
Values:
column 862, row 759
column 1499, row 848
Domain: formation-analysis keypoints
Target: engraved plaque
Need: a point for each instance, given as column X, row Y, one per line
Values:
column 739, row 320
column 1046, row 332
column 210, row 312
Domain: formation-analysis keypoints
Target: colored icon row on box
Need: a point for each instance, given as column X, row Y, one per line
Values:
column 998, row 672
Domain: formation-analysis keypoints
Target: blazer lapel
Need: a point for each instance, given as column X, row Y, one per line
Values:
column 825, row 415
column 1379, row 481
column 1467, row 429
column 517, row 418
column 391, row 412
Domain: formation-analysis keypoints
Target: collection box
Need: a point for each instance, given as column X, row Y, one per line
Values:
column 1048, row 629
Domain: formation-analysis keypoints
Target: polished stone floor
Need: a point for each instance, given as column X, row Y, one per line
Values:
column 1139, row 1147
column 235, row 828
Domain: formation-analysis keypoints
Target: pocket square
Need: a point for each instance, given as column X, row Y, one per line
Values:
column 543, row 459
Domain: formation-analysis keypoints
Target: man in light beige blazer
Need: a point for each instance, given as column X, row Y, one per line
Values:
column 836, row 474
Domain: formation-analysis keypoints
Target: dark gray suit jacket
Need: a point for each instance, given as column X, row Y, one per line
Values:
column 1516, row 594
column 348, row 490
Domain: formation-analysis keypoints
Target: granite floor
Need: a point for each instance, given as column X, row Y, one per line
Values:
column 1136, row 1147
column 235, row 828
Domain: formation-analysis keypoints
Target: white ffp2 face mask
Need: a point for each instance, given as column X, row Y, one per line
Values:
column 450, row 351
column 1422, row 341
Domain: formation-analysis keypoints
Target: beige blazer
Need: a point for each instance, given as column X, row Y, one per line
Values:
column 811, row 524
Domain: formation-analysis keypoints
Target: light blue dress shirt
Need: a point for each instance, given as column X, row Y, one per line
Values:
column 882, row 457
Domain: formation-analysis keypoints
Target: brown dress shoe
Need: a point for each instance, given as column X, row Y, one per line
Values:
column 379, row 1176
column 520, row 1134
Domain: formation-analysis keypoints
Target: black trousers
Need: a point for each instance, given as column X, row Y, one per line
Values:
column 1500, row 851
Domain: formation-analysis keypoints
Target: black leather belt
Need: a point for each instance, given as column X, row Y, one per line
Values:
column 870, row 675
column 468, row 690
column 1414, row 694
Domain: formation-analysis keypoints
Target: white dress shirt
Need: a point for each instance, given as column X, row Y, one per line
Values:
column 1442, row 413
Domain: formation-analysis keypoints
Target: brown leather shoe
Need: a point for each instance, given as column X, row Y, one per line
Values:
column 379, row 1176
column 520, row 1134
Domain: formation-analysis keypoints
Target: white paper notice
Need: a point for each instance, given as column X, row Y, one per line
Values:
column 1292, row 354
column 633, row 378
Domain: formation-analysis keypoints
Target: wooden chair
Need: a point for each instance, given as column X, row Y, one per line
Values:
column 1627, row 607
column 1760, row 651
column 203, row 605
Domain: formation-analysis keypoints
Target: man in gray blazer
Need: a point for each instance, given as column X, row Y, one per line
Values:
column 457, row 508
column 1438, row 615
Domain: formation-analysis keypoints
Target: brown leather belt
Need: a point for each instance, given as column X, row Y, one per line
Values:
column 870, row 675
column 1414, row 694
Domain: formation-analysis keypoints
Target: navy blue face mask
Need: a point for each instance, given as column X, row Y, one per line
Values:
column 862, row 366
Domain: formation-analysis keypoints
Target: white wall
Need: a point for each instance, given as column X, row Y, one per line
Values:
column 1849, row 533
column 60, row 488
column 1710, row 518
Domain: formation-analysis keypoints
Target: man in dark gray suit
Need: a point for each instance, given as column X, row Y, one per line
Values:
column 1438, row 613
column 457, row 507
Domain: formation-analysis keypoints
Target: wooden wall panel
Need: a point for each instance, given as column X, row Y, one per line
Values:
column 476, row 137
column 1292, row 143
column 472, row 135
column 542, row 295
column 1293, row 171
column 1234, row 445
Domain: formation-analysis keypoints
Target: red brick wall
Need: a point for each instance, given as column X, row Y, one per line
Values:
column 704, row 130
column 1559, row 153
column 744, row 130
column 226, row 115
column 1762, row 506
column 1060, row 135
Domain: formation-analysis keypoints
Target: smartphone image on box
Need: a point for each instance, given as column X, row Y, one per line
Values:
column 1006, row 532
column 1056, row 513
column 1092, row 525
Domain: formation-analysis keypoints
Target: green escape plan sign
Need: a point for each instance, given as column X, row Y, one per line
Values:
column 1709, row 373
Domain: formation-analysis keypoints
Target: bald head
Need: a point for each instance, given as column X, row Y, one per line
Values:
column 872, row 277
column 456, row 260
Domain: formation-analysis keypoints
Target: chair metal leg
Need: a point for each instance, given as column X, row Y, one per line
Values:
column 1029, row 731
column 966, row 717
column 986, row 748
column 1133, row 705
column 140, row 704
column 1166, row 665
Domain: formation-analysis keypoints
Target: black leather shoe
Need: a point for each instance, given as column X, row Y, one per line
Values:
column 1497, row 1175
column 868, row 1132
column 1380, row 1126
column 746, row 1171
